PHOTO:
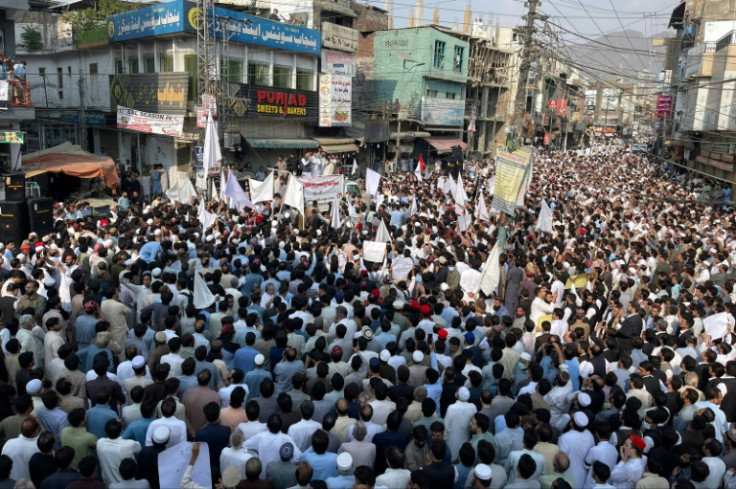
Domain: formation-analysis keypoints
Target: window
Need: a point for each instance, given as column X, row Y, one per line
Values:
column 133, row 64
column 457, row 64
column 234, row 70
column 166, row 62
column 42, row 72
column 304, row 80
column 149, row 64
column 439, row 54
column 190, row 66
column 60, row 82
column 258, row 73
column 69, row 70
column 450, row 95
column 93, row 69
column 118, row 66
column 431, row 93
column 282, row 76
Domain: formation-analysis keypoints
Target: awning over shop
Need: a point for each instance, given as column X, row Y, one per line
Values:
column 340, row 148
column 71, row 160
column 408, row 135
column 445, row 144
column 283, row 143
column 404, row 148
column 333, row 141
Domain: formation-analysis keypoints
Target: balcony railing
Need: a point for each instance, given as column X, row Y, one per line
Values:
column 20, row 93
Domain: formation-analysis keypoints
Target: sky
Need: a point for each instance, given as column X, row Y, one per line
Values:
column 587, row 17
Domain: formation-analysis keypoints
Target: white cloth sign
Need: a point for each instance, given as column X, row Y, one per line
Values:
column 470, row 280
column 176, row 459
column 544, row 221
column 716, row 325
column 374, row 251
column 400, row 268
column 372, row 180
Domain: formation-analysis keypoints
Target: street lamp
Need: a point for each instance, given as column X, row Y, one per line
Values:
column 405, row 70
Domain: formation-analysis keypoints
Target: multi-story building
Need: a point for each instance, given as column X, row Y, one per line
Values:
column 16, row 103
column 703, row 62
column 140, row 70
column 421, row 73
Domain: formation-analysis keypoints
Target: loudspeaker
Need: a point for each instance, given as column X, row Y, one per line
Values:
column 41, row 215
column 13, row 221
column 15, row 186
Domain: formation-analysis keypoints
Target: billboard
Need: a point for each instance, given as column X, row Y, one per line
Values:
column 151, row 92
column 337, row 63
column 335, row 101
column 250, row 29
column 339, row 37
column 443, row 112
column 284, row 103
column 135, row 120
column 156, row 20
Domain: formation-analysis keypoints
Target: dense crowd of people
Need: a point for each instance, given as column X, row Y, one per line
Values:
column 602, row 358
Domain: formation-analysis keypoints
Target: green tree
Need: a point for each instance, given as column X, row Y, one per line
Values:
column 31, row 39
column 96, row 15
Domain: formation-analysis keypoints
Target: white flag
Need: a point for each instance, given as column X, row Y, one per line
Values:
column 335, row 213
column 544, row 221
column 418, row 172
column 382, row 235
column 235, row 193
column 372, row 180
column 261, row 191
column 223, row 182
column 294, row 194
column 483, row 209
column 355, row 167
column 450, row 185
column 460, row 196
column 203, row 297
column 413, row 211
column 491, row 275
column 212, row 153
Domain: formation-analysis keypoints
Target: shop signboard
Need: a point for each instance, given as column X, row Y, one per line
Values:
column 135, row 120
column 335, row 100
column 284, row 103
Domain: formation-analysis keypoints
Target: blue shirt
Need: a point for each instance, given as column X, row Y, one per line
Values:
column 253, row 380
column 434, row 392
column 341, row 482
column 137, row 430
column 53, row 420
column 149, row 251
column 324, row 466
column 244, row 358
column 84, row 328
column 97, row 416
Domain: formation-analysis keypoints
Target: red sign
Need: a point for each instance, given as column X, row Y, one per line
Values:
column 664, row 105
column 267, row 102
column 547, row 139
column 562, row 108
column 552, row 104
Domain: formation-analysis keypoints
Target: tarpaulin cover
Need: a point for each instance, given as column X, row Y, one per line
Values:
column 72, row 160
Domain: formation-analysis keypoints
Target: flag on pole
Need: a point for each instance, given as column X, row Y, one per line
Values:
column 355, row 167
column 483, row 209
column 383, row 236
column 202, row 297
column 544, row 221
column 418, row 169
column 294, row 194
column 223, row 182
column 372, row 180
column 422, row 166
column 235, row 193
column 261, row 191
column 336, row 222
column 413, row 211
column 212, row 154
column 459, row 195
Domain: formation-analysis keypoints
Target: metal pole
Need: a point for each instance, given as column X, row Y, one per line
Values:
column 524, row 66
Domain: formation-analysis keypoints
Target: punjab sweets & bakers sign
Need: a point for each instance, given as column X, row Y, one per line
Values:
column 267, row 102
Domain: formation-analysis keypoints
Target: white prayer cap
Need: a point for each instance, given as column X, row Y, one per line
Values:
column 584, row 399
column 259, row 359
column 463, row 394
column 161, row 434
column 138, row 361
column 417, row 356
column 580, row 419
column 344, row 461
column 33, row 386
column 483, row 472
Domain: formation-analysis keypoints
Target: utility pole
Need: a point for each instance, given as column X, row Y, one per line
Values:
column 524, row 66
